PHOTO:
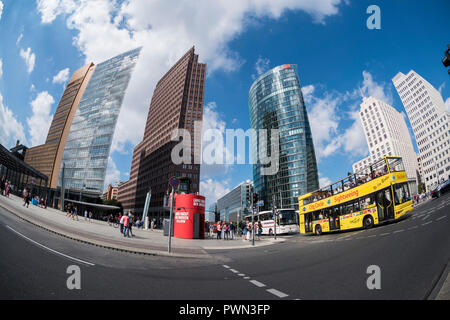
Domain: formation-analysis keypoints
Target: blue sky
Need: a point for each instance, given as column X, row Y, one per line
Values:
column 339, row 60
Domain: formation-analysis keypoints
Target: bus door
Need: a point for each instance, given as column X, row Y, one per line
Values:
column 334, row 219
column 308, row 222
column 385, row 204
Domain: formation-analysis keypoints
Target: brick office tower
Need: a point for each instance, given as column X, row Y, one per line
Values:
column 177, row 103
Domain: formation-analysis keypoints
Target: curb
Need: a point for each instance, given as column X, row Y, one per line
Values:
column 107, row 246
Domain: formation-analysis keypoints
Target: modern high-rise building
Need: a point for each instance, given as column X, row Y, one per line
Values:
column 430, row 123
column 47, row 157
column 89, row 141
column 177, row 103
column 276, row 102
column 236, row 204
column 387, row 135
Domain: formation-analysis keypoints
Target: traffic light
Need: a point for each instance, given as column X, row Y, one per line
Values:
column 255, row 198
column 446, row 60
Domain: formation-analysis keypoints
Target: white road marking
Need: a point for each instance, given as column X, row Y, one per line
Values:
column 413, row 227
column 225, row 266
column 424, row 224
column 49, row 249
column 385, row 234
column 277, row 293
column 241, row 275
column 401, row 230
column 234, row 271
column 440, row 218
column 246, row 278
column 257, row 283
column 371, row 236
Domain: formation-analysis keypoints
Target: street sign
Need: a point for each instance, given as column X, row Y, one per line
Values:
column 174, row 182
column 260, row 203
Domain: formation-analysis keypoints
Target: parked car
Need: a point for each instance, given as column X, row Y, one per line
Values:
column 441, row 189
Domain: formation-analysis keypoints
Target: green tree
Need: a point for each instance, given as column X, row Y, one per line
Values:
column 113, row 202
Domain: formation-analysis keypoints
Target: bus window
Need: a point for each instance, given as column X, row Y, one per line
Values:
column 395, row 164
column 367, row 201
column 356, row 206
column 401, row 193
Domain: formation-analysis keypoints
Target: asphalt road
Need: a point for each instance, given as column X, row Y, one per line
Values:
column 412, row 255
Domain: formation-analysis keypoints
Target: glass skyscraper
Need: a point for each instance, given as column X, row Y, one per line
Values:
column 88, row 145
column 276, row 102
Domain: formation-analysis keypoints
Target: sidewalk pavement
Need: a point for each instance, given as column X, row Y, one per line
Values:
column 101, row 234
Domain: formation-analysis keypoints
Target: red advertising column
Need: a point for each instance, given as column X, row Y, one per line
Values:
column 189, row 216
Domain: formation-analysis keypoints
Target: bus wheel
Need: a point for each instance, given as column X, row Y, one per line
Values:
column 270, row 232
column 368, row 222
column 318, row 230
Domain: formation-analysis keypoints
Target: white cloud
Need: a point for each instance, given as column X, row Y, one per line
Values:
column 327, row 118
column 112, row 173
column 261, row 66
column 324, row 181
column 166, row 29
column 40, row 120
column 62, row 76
column 29, row 58
column 19, row 39
column 213, row 190
column 11, row 129
column 1, row 9
column 377, row 90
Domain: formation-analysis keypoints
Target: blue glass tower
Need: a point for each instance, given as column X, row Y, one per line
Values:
column 89, row 141
column 276, row 102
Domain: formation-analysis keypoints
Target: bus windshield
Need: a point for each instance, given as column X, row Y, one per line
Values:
column 288, row 217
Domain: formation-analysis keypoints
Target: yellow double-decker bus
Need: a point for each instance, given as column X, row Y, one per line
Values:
column 374, row 195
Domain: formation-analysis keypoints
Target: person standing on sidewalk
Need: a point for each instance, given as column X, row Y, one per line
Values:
column 232, row 228
column 126, row 225
column 226, row 231
column 219, row 230
column 2, row 185
column 121, row 222
column 244, row 230
column 85, row 215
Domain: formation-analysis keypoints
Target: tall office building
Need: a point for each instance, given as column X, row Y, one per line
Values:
column 276, row 102
column 177, row 103
column 387, row 135
column 236, row 204
column 430, row 123
column 88, row 144
column 47, row 157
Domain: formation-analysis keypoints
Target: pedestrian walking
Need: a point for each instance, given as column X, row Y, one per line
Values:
column 121, row 222
column 259, row 230
column 27, row 198
column 244, row 230
column 130, row 225
column 85, row 215
column 90, row 216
